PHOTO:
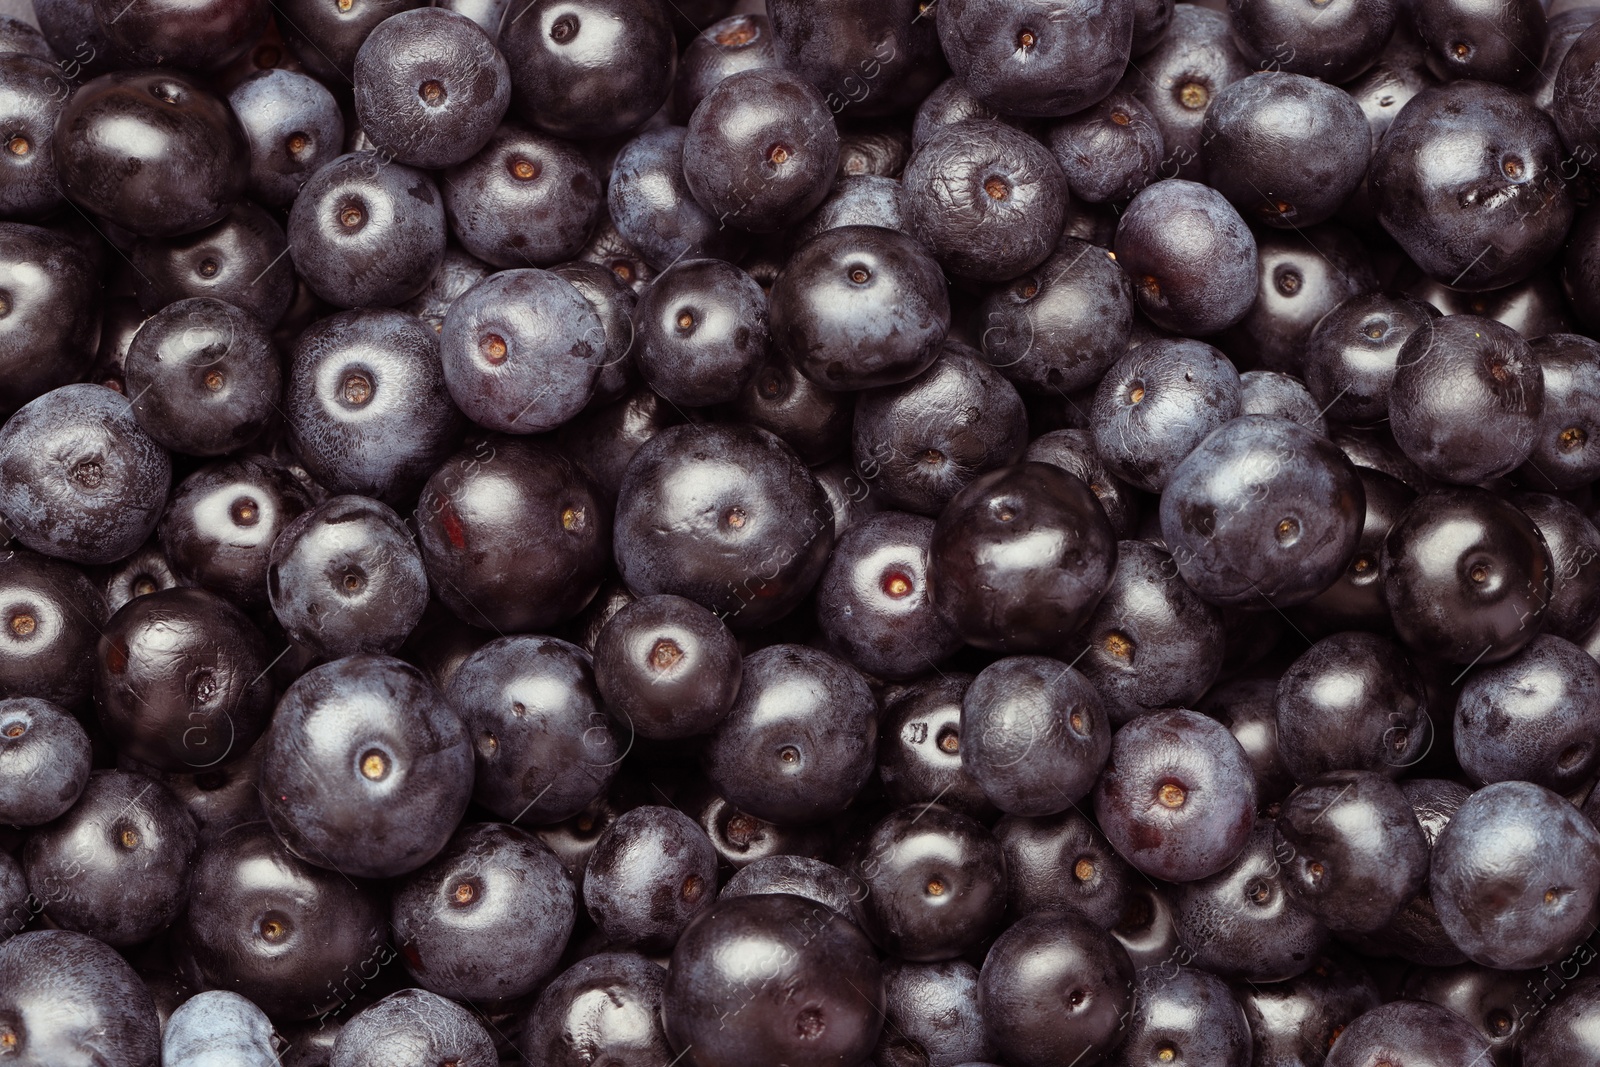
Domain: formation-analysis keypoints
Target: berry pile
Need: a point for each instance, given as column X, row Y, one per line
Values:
column 921, row 533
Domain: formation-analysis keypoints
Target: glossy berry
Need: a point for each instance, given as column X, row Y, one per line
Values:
column 934, row 883
column 858, row 307
column 44, row 761
column 117, row 866
column 1020, row 558
column 1359, row 855
column 1053, row 985
column 1466, row 576
column 204, row 377
column 1467, row 399
column 543, row 748
column 873, row 601
column 347, row 577
column 1239, row 519
column 486, row 919
column 367, row 233
column 1036, row 735
column 477, row 510
column 521, row 351
column 525, row 199
column 821, row 1002
column 151, row 150
column 1185, row 388
column 700, row 332
column 593, row 69
column 667, row 667
column 181, row 680
column 650, row 875
column 1191, row 258
column 800, row 740
column 366, row 769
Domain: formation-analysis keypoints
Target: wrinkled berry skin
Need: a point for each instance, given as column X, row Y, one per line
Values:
column 1190, row 257
column 367, row 404
column 1514, row 876
column 1035, row 735
column 1053, row 985
column 1177, row 798
column 1041, row 59
column 366, row 233
column 1156, row 403
column 1020, row 558
column 1152, row 642
column 1467, row 399
column 79, row 478
column 726, row 516
column 347, row 577
column 988, row 200
column 218, row 1025
column 595, row 72
column 1532, row 718
column 474, row 518
column 1493, row 205
column 152, row 151
column 430, row 87
column 1466, row 575
column 650, row 875
column 1412, row 1033
column 920, row 442
column 614, row 995
column 1264, row 511
column 817, row 1002
column 366, row 769
column 416, row 1026
column 71, row 1001
column 1285, row 149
